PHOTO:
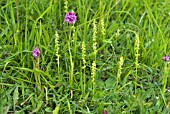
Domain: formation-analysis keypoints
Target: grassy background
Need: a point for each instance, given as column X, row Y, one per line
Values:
column 25, row 24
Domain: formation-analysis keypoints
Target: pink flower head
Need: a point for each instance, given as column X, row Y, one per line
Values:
column 166, row 58
column 104, row 112
column 70, row 18
column 36, row 52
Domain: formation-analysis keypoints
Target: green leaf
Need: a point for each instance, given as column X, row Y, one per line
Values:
column 109, row 83
column 40, row 103
column 15, row 97
column 57, row 108
column 48, row 109
column 100, row 108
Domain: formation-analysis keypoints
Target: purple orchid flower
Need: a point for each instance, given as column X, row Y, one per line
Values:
column 70, row 18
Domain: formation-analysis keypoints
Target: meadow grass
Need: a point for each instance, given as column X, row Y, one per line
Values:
column 109, row 60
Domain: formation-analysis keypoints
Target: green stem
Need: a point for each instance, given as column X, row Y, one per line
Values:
column 37, row 76
column 165, row 77
column 71, row 62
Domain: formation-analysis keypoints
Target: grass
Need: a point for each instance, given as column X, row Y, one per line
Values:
column 109, row 59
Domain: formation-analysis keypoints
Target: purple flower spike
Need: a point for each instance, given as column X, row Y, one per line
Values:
column 70, row 18
column 166, row 58
column 104, row 112
column 36, row 52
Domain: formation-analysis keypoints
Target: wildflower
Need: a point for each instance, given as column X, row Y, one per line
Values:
column 104, row 112
column 65, row 5
column 84, row 55
column 70, row 18
column 94, row 37
column 103, row 27
column 93, row 73
column 166, row 58
column 57, row 45
column 36, row 52
column 120, row 68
